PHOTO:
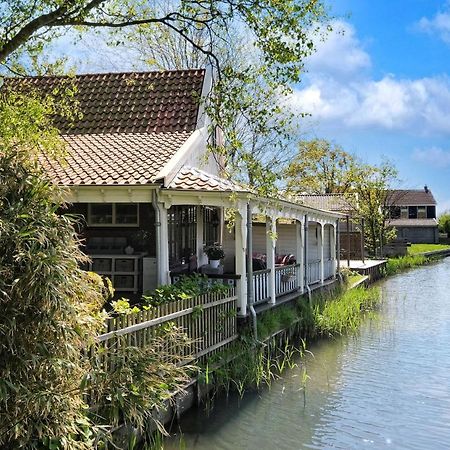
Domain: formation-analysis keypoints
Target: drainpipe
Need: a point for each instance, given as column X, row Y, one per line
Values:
column 250, row 296
column 156, row 207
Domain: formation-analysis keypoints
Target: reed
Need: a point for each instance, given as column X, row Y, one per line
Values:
column 396, row 265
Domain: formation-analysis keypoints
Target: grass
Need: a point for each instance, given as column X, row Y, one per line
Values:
column 345, row 312
column 354, row 279
column 414, row 249
column 396, row 265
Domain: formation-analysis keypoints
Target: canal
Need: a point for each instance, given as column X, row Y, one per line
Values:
column 388, row 386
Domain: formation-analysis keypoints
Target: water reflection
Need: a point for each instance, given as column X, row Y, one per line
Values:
column 386, row 387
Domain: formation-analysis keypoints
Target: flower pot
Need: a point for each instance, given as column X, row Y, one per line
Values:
column 129, row 250
column 214, row 263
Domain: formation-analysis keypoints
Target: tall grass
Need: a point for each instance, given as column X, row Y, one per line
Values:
column 345, row 312
column 396, row 265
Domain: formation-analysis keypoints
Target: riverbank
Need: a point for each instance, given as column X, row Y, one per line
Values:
column 384, row 387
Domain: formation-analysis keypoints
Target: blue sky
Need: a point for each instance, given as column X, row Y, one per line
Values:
column 380, row 87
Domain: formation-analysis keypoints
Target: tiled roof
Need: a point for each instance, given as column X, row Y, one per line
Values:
column 412, row 197
column 327, row 202
column 413, row 223
column 192, row 178
column 114, row 159
column 134, row 102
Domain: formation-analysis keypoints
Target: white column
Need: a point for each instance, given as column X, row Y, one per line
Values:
column 299, row 254
column 333, row 249
column 240, row 229
column 199, row 238
column 321, row 230
column 163, row 263
column 271, row 230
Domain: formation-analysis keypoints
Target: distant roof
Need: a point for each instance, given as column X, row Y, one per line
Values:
column 131, row 124
column 422, row 223
column 131, row 102
column 327, row 202
column 192, row 178
column 412, row 197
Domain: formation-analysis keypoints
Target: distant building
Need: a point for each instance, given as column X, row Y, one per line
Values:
column 350, row 239
column 413, row 214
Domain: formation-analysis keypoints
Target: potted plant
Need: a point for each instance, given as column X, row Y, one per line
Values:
column 215, row 253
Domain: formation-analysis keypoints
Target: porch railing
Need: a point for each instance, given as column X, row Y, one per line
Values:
column 313, row 271
column 261, row 292
column 287, row 279
column 209, row 320
column 329, row 268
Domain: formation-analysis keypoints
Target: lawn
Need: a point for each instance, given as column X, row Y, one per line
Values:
column 422, row 248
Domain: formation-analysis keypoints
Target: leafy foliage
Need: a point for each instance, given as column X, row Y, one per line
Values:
column 185, row 287
column 444, row 223
column 49, row 308
column 320, row 168
column 396, row 265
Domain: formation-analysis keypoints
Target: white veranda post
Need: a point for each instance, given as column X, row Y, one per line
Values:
column 321, row 252
column 271, row 233
column 240, row 228
column 299, row 254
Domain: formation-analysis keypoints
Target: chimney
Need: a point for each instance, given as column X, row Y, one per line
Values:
column 425, row 188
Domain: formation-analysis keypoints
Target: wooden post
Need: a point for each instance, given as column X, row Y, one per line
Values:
column 362, row 239
column 322, row 268
column 240, row 229
column 348, row 241
column 271, row 229
column 338, row 246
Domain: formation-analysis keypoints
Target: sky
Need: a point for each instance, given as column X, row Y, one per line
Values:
column 379, row 86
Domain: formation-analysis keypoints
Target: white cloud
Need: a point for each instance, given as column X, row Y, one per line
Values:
column 439, row 24
column 340, row 92
column 341, row 53
column 433, row 156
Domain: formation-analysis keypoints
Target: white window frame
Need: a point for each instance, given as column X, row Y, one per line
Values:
column 113, row 224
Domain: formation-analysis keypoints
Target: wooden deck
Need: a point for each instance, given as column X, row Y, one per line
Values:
column 373, row 268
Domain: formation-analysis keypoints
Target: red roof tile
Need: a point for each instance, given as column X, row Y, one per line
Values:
column 134, row 102
column 195, row 179
column 114, row 159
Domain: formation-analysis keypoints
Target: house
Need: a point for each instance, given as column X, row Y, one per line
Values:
column 413, row 214
column 351, row 240
column 151, row 194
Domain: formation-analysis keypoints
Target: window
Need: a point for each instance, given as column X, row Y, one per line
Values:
column 431, row 212
column 421, row 212
column 404, row 212
column 210, row 225
column 182, row 228
column 394, row 212
column 113, row 214
column 412, row 212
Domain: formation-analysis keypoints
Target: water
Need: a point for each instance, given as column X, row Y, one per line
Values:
column 387, row 387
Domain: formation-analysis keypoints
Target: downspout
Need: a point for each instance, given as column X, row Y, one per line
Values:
column 250, row 296
column 305, row 259
column 156, row 207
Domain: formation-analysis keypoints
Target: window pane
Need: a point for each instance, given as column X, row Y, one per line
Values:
column 101, row 213
column 421, row 212
column 404, row 212
column 413, row 212
column 431, row 212
column 126, row 213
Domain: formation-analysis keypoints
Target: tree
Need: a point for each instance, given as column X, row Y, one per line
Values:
column 444, row 223
column 372, row 197
column 49, row 308
column 251, row 80
column 320, row 167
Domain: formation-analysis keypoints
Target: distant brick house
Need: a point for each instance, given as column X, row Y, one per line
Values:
column 413, row 214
